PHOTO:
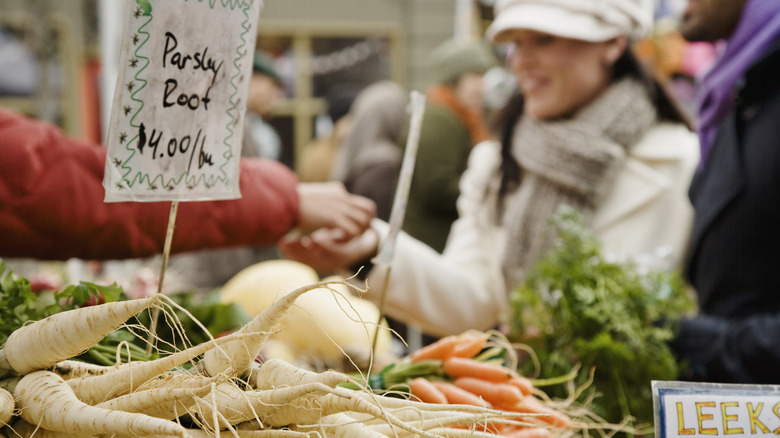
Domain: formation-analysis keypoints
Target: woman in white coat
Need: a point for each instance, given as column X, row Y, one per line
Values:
column 590, row 130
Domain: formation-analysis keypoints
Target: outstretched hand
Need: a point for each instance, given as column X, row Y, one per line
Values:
column 329, row 205
column 326, row 250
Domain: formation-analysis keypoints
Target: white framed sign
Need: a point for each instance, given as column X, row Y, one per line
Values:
column 687, row 409
column 176, row 123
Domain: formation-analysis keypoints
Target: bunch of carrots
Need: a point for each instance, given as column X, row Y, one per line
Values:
column 216, row 385
column 468, row 377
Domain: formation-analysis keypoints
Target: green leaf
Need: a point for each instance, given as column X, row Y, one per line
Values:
column 19, row 305
column 85, row 292
column 576, row 308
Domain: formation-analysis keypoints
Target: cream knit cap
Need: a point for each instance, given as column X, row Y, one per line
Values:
column 587, row 20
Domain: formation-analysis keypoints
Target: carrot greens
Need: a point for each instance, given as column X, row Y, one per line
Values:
column 579, row 309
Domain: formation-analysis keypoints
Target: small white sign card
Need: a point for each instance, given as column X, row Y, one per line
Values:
column 177, row 118
column 687, row 409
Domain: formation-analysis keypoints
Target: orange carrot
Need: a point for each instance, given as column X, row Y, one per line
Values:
column 441, row 349
column 469, row 345
column 459, row 396
column 524, row 384
column 528, row 432
column 500, row 429
column 465, row 367
column 532, row 405
column 496, row 393
column 427, row 392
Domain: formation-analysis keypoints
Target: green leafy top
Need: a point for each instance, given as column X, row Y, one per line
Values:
column 578, row 309
column 20, row 305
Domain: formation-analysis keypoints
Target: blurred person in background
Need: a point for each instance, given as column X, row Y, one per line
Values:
column 18, row 68
column 266, row 91
column 589, row 128
column 453, row 122
column 734, row 258
column 369, row 160
column 317, row 158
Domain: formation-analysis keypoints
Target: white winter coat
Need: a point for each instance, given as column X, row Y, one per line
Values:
column 647, row 213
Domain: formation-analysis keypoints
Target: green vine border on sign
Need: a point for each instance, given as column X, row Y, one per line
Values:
column 140, row 38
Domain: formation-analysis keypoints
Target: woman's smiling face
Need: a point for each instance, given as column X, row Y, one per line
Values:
column 557, row 76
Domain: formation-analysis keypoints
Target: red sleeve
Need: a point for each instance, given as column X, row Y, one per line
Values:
column 51, row 203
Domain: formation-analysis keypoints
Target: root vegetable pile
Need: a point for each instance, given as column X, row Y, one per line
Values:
column 215, row 388
column 469, row 369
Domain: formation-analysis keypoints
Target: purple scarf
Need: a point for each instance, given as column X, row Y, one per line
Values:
column 758, row 26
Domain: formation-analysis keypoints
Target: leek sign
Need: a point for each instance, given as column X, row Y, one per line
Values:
column 177, row 118
column 684, row 409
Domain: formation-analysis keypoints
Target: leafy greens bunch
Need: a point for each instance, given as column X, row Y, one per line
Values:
column 577, row 309
column 19, row 305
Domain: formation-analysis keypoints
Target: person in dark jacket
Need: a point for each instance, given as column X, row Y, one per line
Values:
column 734, row 253
column 266, row 92
column 453, row 122
column 369, row 160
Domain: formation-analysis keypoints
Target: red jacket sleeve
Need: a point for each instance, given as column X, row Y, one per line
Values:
column 52, row 208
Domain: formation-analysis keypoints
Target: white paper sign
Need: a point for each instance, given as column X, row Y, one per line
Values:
column 177, row 118
column 684, row 409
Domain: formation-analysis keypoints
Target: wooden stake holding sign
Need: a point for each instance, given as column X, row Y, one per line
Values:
column 385, row 255
column 176, row 123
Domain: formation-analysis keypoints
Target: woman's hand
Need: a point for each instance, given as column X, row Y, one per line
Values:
column 327, row 251
column 328, row 205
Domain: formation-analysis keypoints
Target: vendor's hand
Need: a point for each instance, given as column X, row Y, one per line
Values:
column 329, row 205
column 326, row 251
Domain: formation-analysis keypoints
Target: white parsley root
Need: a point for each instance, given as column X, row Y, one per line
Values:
column 7, row 407
column 45, row 399
column 216, row 386
column 61, row 336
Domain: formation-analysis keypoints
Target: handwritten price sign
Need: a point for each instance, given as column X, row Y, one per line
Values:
column 177, row 119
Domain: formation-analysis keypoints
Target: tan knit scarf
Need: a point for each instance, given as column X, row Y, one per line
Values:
column 570, row 161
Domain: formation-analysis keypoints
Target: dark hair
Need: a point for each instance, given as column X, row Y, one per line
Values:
column 626, row 66
column 339, row 99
